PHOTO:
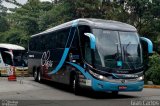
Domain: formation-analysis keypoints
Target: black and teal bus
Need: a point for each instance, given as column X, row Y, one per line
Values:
column 103, row 55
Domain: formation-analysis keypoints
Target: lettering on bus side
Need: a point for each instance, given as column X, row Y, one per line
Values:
column 45, row 59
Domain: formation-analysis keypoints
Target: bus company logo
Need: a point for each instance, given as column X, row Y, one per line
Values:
column 45, row 59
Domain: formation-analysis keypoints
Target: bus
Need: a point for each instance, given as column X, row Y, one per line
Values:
column 13, row 56
column 103, row 55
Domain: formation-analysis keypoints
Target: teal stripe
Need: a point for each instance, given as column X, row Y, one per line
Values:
column 82, row 70
column 65, row 53
column 68, row 36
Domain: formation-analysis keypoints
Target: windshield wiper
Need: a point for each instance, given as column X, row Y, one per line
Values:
column 125, row 52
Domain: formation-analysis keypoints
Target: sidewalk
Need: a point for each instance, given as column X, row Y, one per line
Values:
column 152, row 86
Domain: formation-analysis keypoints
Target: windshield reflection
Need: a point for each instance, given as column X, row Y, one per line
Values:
column 113, row 46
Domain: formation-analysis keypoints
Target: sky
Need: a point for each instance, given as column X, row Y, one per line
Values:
column 19, row 1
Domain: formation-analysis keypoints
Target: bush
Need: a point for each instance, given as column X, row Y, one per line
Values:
column 153, row 73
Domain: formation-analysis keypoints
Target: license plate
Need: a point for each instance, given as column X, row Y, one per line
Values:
column 122, row 87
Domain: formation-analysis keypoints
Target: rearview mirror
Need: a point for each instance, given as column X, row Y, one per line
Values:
column 92, row 40
column 147, row 45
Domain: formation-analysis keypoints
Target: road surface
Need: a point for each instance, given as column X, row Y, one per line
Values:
column 50, row 93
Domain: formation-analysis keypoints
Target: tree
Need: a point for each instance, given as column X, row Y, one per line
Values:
column 35, row 16
column 4, row 25
column 24, row 21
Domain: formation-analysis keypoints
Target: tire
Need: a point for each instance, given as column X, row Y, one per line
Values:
column 75, row 85
column 35, row 75
column 114, row 93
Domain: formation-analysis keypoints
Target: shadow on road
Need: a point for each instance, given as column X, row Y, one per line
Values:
column 86, row 92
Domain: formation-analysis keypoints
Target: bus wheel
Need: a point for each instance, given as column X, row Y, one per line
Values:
column 35, row 75
column 114, row 93
column 75, row 85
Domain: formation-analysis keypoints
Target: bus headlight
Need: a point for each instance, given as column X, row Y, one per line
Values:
column 140, row 78
column 101, row 77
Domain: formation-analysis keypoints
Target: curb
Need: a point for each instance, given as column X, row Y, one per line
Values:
column 152, row 86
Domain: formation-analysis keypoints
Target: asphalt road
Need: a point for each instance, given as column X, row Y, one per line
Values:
column 27, row 92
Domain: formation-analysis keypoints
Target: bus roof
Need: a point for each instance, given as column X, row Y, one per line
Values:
column 11, row 46
column 94, row 23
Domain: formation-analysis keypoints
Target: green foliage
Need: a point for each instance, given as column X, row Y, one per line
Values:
column 14, row 36
column 4, row 25
column 35, row 16
column 153, row 73
column 57, row 15
column 86, row 8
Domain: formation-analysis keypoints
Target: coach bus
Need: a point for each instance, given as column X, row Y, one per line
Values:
column 103, row 55
column 13, row 56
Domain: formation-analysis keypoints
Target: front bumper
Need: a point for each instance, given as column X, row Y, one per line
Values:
column 98, row 85
column 21, row 71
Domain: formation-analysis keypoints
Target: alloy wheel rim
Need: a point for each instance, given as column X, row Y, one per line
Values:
column 74, row 84
column 35, row 74
column 39, row 77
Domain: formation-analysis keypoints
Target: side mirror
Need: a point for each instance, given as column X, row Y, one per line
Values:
column 92, row 40
column 147, row 45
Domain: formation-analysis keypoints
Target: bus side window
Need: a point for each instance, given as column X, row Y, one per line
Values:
column 62, row 38
column 41, row 43
column 75, row 42
column 50, row 41
column 7, row 58
column 88, row 57
column 85, row 43
column 32, row 44
column 36, row 43
column 53, row 37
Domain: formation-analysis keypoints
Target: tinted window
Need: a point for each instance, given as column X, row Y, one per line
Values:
column 7, row 58
column 49, row 41
column 88, row 51
column 19, row 58
column 84, row 42
column 36, row 43
column 75, row 42
column 31, row 44
column 62, row 37
column 82, row 30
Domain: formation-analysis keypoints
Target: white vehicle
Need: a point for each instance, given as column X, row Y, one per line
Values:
column 12, row 56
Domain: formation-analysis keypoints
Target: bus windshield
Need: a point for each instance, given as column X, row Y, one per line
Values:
column 7, row 57
column 19, row 58
column 113, row 46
